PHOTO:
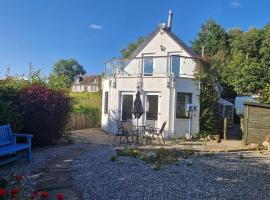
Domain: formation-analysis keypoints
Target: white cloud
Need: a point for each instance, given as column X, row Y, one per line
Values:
column 96, row 27
column 235, row 4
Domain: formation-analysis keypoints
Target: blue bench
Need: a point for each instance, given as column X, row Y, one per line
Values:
column 9, row 145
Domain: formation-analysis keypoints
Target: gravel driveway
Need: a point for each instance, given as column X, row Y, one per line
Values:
column 243, row 175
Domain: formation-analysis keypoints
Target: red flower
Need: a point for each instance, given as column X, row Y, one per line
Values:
column 14, row 192
column 43, row 195
column 33, row 195
column 2, row 192
column 19, row 177
column 60, row 196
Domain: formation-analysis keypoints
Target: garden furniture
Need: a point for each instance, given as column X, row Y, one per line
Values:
column 120, row 132
column 129, row 130
column 9, row 144
column 156, row 133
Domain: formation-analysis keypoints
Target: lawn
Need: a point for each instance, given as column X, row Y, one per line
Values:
column 87, row 99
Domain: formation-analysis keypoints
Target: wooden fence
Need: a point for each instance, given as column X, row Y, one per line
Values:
column 81, row 121
column 256, row 122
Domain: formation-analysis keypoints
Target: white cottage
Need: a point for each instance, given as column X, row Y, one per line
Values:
column 162, row 68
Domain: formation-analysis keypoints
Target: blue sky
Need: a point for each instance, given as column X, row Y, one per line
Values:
column 93, row 31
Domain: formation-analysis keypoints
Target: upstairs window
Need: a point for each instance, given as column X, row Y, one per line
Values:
column 175, row 65
column 148, row 66
column 182, row 100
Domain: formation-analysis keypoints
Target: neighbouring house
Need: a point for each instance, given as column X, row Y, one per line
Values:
column 162, row 69
column 85, row 83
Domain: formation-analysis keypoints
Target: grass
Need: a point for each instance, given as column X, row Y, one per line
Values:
column 155, row 157
column 88, row 99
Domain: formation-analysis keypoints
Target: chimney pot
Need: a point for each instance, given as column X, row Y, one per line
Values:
column 169, row 25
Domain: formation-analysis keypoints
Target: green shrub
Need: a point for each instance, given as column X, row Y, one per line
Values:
column 203, row 134
column 9, row 105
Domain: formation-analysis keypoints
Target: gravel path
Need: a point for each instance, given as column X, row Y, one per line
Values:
column 30, row 170
column 219, row 176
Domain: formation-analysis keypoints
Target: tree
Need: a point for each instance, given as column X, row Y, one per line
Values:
column 126, row 52
column 69, row 68
column 212, row 37
column 209, row 118
column 216, row 44
column 61, row 82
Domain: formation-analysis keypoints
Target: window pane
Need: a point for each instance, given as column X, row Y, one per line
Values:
column 182, row 100
column 148, row 66
column 106, row 103
column 152, row 107
column 127, row 106
column 175, row 65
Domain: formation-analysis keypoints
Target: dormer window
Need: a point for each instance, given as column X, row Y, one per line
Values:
column 148, row 66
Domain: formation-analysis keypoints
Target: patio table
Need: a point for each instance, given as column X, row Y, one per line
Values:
column 140, row 132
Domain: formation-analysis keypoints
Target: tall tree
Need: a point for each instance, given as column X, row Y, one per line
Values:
column 214, row 41
column 212, row 37
column 126, row 52
column 69, row 68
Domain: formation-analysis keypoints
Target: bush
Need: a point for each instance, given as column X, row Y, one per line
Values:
column 45, row 113
column 9, row 105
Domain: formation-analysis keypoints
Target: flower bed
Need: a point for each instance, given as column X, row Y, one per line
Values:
column 14, row 188
column 155, row 157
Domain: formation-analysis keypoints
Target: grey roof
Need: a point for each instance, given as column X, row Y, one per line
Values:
column 171, row 34
column 263, row 105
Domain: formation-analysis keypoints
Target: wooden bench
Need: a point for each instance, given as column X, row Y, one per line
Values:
column 9, row 145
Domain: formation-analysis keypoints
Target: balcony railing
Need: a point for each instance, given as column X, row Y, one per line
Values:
column 147, row 66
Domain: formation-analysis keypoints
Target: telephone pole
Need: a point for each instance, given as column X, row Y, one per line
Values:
column 30, row 72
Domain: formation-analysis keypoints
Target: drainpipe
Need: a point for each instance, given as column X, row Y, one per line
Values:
column 172, row 109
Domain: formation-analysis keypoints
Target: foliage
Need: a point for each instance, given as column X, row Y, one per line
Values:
column 37, row 78
column 155, row 157
column 212, row 37
column 126, row 52
column 69, row 68
column 60, row 82
column 45, row 113
column 203, row 134
column 240, row 60
column 92, row 114
column 208, row 97
column 9, row 105
column 88, row 99
column 14, row 188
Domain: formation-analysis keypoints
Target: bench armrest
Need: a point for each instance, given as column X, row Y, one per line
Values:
column 27, row 136
column 23, row 135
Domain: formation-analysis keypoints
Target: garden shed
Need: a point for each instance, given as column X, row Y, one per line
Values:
column 256, row 122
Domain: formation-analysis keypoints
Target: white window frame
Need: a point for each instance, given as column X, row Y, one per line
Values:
column 151, row 55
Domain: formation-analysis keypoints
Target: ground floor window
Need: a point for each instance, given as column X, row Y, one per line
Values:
column 127, row 106
column 106, row 102
column 182, row 100
column 152, row 107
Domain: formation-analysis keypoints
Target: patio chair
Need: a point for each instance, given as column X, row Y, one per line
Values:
column 120, row 131
column 129, row 130
column 157, row 133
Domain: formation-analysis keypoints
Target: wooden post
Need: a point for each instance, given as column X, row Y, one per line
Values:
column 225, row 129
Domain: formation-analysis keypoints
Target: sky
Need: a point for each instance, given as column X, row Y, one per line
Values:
column 94, row 31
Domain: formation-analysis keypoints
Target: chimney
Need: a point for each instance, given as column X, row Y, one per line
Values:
column 169, row 25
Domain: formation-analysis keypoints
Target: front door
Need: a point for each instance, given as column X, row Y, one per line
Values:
column 151, row 110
